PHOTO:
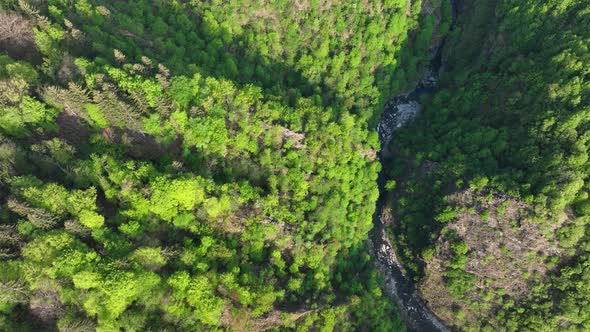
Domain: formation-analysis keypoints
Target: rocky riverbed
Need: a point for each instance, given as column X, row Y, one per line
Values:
column 417, row 316
column 400, row 111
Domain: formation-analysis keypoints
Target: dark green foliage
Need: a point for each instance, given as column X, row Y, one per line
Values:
column 511, row 116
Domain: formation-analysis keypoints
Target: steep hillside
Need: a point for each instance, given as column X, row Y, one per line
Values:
column 491, row 196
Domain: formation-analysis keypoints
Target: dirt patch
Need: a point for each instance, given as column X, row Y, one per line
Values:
column 301, row 4
column 370, row 154
column 295, row 137
column 266, row 13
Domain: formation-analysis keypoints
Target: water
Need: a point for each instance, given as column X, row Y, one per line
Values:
column 400, row 111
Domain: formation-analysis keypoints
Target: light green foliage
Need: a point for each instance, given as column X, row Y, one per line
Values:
column 183, row 90
column 105, row 290
column 30, row 113
column 14, row 290
column 96, row 116
column 55, row 198
column 52, row 196
column 446, row 215
column 390, row 185
column 110, row 296
column 86, row 280
column 91, row 219
column 171, row 197
column 326, row 54
column 17, row 70
column 178, row 165
column 150, row 258
column 198, row 293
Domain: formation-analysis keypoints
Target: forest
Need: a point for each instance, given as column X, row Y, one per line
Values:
column 213, row 165
column 492, row 180
column 195, row 165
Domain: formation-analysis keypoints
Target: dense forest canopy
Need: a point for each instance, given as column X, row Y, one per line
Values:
column 213, row 165
column 500, row 159
column 195, row 165
column 343, row 51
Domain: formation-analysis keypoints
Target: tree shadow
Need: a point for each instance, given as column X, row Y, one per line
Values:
column 187, row 41
column 185, row 49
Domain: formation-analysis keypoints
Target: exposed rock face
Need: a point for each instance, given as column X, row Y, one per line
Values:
column 398, row 286
column 397, row 114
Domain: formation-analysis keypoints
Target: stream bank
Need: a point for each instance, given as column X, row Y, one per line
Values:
column 398, row 112
column 398, row 286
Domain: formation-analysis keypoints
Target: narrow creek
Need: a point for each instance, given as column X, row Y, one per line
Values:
column 398, row 286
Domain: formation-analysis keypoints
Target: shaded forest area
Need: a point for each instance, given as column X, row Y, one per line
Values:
column 491, row 199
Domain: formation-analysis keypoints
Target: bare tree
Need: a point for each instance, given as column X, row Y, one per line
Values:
column 16, row 36
column 76, row 228
column 10, row 242
column 39, row 217
column 13, row 291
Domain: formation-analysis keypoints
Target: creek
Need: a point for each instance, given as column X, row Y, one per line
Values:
column 398, row 112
